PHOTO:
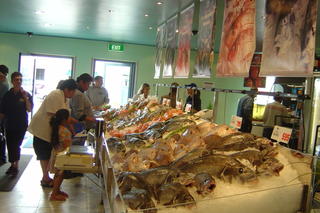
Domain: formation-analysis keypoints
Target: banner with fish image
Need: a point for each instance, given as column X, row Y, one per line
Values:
column 171, row 46
column 205, row 54
column 238, row 42
column 184, row 43
column 160, row 47
column 289, row 38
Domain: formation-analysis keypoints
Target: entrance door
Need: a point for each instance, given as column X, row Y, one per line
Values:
column 118, row 78
column 41, row 75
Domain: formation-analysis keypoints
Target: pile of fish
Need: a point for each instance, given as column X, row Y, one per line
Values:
column 160, row 165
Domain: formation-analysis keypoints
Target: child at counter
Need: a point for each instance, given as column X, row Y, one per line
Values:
column 60, row 141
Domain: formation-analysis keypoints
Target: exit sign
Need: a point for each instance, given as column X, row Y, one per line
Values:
column 116, row 47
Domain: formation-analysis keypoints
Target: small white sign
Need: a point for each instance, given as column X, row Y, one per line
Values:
column 236, row 122
column 281, row 134
column 179, row 105
column 188, row 108
column 166, row 102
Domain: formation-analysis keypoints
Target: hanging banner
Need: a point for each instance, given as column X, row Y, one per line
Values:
column 238, row 41
column 160, row 44
column 185, row 33
column 205, row 54
column 289, row 38
column 171, row 46
column 254, row 80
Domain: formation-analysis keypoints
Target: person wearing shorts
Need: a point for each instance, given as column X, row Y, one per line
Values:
column 40, row 127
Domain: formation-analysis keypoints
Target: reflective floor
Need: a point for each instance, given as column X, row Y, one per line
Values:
column 29, row 197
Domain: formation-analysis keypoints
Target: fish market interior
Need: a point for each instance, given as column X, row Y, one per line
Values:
column 159, row 106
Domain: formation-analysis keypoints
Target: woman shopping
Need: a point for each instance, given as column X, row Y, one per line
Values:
column 60, row 141
column 142, row 93
column 40, row 125
column 15, row 106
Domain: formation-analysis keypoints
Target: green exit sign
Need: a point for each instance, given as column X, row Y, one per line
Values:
column 116, row 47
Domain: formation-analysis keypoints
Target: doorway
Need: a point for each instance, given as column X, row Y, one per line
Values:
column 118, row 79
column 41, row 75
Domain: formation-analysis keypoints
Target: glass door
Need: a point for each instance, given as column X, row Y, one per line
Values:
column 41, row 75
column 118, row 78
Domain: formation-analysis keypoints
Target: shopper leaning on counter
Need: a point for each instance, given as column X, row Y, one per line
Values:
column 4, row 87
column 40, row 124
column 15, row 106
column 142, row 93
column 81, row 108
column 193, row 98
column 269, row 117
column 172, row 96
column 97, row 94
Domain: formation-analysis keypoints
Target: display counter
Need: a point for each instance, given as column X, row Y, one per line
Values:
column 186, row 164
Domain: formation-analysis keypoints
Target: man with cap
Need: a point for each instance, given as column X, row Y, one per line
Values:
column 4, row 88
column 193, row 98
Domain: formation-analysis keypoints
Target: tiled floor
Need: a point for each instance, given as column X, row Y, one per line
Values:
column 29, row 197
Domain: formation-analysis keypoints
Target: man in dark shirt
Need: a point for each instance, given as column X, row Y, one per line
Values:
column 4, row 87
column 245, row 109
column 14, row 110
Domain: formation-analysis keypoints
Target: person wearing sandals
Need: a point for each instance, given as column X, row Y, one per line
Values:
column 60, row 141
column 15, row 106
column 40, row 125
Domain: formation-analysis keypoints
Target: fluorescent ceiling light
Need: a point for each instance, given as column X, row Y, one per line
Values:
column 146, row 15
column 159, row 3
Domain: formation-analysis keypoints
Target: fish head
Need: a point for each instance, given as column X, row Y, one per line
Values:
column 204, row 183
column 270, row 167
column 246, row 174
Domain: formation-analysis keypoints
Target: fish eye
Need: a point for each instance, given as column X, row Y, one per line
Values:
column 240, row 170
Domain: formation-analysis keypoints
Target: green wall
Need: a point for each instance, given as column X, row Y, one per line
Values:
column 85, row 51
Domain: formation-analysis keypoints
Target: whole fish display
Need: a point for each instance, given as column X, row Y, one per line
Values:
column 164, row 163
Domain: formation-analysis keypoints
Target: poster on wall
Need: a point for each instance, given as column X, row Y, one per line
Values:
column 254, row 80
column 205, row 54
column 289, row 38
column 184, row 42
column 171, row 46
column 160, row 44
column 238, row 41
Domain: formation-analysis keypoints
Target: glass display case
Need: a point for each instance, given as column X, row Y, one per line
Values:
column 289, row 192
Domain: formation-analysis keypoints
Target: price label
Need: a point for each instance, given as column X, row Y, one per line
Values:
column 236, row 122
column 179, row 105
column 188, row 108
column 166, row 102
column 281, row 134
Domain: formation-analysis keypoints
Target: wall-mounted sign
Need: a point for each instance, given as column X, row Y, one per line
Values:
column 116, row 47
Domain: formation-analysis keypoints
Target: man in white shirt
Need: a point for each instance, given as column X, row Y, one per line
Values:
column 271, row 111
column 97, row 94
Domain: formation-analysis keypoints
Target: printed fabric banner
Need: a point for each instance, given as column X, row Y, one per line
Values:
column 289, row 38
column 171, row 46
column 160, row 44
column 185, row 33
column 238, row 42
column 205, row 54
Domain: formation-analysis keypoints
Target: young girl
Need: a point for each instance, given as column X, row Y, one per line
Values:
column 60, row 140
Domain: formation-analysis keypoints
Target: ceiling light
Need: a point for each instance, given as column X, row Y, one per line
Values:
column 146, row 15
column 39, row 12
column 177, row 31
column 150, row 28
column 159, row 3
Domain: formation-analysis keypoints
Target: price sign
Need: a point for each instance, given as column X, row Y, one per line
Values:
column 179, row 105
column 281, row 134
column 166, row 102
column 236, row 122
column 188, row 108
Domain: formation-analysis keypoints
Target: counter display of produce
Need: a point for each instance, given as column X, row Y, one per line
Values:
column 156, row 159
